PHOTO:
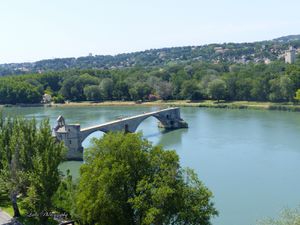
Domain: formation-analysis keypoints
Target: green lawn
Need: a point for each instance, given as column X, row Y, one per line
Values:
column 6, row 206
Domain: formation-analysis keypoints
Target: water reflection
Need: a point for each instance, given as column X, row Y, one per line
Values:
column 171, row 139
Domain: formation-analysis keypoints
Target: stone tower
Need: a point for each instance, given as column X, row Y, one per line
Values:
column 290, row 55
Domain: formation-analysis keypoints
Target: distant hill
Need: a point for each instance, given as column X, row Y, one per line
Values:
column 288, row 38
column 262, row 51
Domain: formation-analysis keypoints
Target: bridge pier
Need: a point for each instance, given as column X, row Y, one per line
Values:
column 73, row 135
column 173, row 125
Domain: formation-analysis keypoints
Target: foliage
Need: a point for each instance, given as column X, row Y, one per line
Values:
column 126, row 180
column 64, row 198
column 287, row 217
column 276, row 82
column 106, row 88
column 58, row 99
column 140, row 91
column 12, row 92
column 164, row 90
column 297, row 97
column 93, row 93
column 16, row 148
column 29, row 159
column 44, row 178
column 190, row 90
column 217, row 89
column 281, row 89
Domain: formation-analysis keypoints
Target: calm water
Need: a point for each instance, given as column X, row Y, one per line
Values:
column 249, row 159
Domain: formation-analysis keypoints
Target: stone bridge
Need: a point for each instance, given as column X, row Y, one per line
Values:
column 73, row 135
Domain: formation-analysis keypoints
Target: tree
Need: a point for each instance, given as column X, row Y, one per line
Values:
column 190, row 90
column 29, row 159
column 217, row 89
column 140, row 91
column 63, row 199
column 125, row 180
column 93, row 93
column 59, row 99
column 67, row 85
column 281, row 89
column 12, row 92
column 44, row 177
column 16, row 148
column 164, row 89
column 297, row 97
column 286, row 217
column 260, row 90
column 121, row 91
column 287, row 88
column 244, row 87
column 106, row 87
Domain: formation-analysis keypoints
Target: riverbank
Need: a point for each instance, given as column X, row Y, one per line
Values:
column 181, row 103
column 185, row 103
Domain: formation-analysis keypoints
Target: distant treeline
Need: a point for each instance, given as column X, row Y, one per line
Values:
column 274, row 82
column 225, row 53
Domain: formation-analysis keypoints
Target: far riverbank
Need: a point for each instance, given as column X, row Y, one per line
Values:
column 186, row 103
column 180, row 103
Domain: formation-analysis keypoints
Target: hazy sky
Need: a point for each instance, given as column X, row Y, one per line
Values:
column 39, row 29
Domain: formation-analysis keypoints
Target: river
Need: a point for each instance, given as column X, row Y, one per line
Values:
column 249, row 159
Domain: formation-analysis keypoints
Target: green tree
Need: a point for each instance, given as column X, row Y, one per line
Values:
column 140, row 91
column 297, row 97
column 121, row 91
column 244, row 87
column 286, row 217
column 16, row 148
column 281, row 89
column 164, row 89
column 190, row 90
column 59, row 99
column 217, row 89
column 64, row 198
column 287, row 88
column 93, row 93
column 106, row 87
column 127, row 181
column 66, row 90
column 44, row 177
column 29, row 159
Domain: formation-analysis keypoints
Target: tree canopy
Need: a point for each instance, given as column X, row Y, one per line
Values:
column 276, row 82
column 126, row 180
column 29, row 159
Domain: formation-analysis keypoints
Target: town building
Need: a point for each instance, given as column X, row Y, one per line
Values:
column 290, row 55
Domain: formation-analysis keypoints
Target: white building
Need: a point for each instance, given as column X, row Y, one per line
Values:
column 290, row 55
column 46, row 98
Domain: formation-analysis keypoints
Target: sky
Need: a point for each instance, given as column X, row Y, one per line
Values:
column 33, row 30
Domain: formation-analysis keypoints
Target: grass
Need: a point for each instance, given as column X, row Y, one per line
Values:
column 6, row 206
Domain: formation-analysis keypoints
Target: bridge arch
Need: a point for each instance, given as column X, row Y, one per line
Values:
column 86, row 135
column 95, row 134
column 159, row 119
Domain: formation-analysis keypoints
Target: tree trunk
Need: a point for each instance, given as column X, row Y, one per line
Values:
column 13, row 198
